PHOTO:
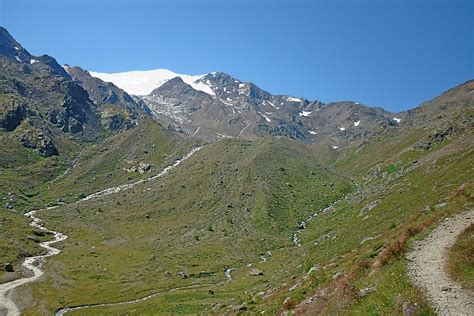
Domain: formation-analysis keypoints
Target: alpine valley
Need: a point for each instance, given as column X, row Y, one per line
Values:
column 151, row 192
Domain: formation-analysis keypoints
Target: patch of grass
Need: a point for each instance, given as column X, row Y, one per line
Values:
column 461, row 259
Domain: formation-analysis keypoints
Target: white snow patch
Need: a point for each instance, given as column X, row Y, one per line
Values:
column 143, row 82
column 356, row 123
column 18, row 58
column 335, row 147
column 271, row 104
column 268, row 120
column 229, row 99
column 226, row 103
column 33, row 61
column 291, row 99
column 342, row 128
column 312, row 132
column 305, row 113
column 397, row 119
column 17, row 48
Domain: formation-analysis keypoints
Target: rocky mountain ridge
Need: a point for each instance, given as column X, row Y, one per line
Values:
column 43, row 107
column 243, row 110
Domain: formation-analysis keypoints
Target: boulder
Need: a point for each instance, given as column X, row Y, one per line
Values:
column 255, row 272
column 8, row 267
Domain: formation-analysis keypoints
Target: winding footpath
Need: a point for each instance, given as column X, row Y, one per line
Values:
column 426, row 267
column 34, row 263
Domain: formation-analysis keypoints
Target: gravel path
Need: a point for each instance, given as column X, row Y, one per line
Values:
column 426, row 267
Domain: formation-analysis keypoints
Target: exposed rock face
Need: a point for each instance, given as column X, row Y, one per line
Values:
column 118, row 109
column 12, row 117
column 40, row 142
column 243, row 110
column 49, row 103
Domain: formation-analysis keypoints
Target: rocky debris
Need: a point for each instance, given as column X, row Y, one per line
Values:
column 40, row 142
column 144, row 167
column 182, row 275
column 366, row 291
column 434, row 138
column 8, row 267
column 141, row 168
column 337, row 275
column 255, row 272
column 369, row 207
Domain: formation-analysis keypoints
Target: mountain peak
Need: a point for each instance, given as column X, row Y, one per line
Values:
column 144, row 82
column 10, row 48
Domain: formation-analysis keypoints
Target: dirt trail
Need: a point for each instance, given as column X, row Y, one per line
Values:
column 7, row 305
column 426, row 267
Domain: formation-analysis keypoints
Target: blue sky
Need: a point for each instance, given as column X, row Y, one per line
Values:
column 394, row 54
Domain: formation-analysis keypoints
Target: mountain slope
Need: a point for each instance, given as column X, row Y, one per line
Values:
column 48, row 123
column 269, row 205
column 118, row 109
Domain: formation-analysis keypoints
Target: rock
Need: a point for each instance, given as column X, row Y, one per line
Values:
column 210, row 292
column 40, row 142
column 369, row 207
column 446, row 288
column 337, row 275
column 182, row 275
column 366, row 291
column 255, row 272
column 12, row 117
column 24, row 254
column 144, row 167
column 8, row 267
column 294, row 287
column 313, row 268
column 242, row 307
column 440, row 205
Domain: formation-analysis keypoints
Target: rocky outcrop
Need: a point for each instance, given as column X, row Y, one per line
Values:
column 12, row 117
column 42, row 143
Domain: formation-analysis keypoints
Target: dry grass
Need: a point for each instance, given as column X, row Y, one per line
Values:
column 461, row 259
